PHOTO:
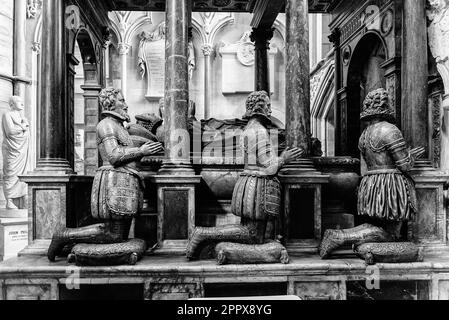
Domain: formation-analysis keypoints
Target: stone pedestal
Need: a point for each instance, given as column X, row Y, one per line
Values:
column 302, row 211
column 55, row 202
column 176, row 212
column 430, row 226
column 13, row 232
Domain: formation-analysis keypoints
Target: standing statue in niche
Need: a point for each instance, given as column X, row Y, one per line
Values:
column 387, row 192
column 256, row 198
column 116, row 194
column 16, row 137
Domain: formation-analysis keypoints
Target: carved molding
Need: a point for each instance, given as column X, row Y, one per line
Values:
column 207, row 50
column 208, row 24
column 438, row 31
column 33, row 7
column 123, row 48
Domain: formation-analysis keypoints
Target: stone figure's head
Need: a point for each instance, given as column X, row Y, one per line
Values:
column 377, row 105
column 258, row 104
column 113, row 103
column 16, row 103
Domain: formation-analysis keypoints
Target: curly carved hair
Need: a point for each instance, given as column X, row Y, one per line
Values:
column 108, row 97
column 252, row 104
column 377, row 104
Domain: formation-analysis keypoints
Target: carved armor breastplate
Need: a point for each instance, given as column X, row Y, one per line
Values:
column 378, row 144
column 111, row 131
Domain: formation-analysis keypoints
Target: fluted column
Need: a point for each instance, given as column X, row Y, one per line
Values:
column 261, row 37
column 53, row 155
column 177, row 145
column 123, row 51
column 208, row 51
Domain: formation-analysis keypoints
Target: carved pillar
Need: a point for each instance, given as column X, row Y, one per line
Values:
column 438, row 32
column 176, row 182
column 261, row 37
column 415, row 120
column 335, row 39
column 53, row 114
column 177, row 155
column 302, row 183
column 123, row 51
column 429, row 228
column 91, row 119
column 20, row 14
column 208, row 51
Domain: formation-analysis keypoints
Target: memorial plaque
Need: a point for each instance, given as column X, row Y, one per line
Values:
column 239, row 59
column 155, row 64
column 13, row 237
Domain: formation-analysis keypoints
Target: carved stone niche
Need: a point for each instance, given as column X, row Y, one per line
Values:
column 239, row 58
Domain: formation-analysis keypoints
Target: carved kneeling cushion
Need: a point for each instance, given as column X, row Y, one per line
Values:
column 234, row 253
column 108, row 254
column 389, row 252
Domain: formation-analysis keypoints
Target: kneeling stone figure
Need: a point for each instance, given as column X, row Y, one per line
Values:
column 386, row 193
column 116, row 194
column 256, row 198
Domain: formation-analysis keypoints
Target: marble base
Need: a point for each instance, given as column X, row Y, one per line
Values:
column 176, row 211
column 302, row 210
column 173, row 278
column 13, row 236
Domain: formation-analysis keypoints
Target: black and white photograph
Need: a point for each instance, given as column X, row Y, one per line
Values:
column 230, row 157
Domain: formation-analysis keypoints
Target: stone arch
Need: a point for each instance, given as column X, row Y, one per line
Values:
column 365, row 73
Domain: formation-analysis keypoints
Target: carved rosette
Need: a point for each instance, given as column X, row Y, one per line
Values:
column 123, row 48
column 33, row 7
column 208, row 50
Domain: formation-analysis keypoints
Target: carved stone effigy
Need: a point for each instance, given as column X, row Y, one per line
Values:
column 389, row 252
column 116, row 194
column 386, row 194
column 256, row 198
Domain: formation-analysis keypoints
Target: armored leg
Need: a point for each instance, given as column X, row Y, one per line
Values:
column 203, row 237
column 334, row 239
column 104, row 233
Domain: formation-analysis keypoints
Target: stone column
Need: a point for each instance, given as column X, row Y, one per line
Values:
column 261, row 37
column 302, row 183
column 53, row 114
column 415, row 120
column 20, row 13
column 176, row 181
column 438, row 32
column 123, row 50
column 298, row 123
column 208, row 51
column 177, row 145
